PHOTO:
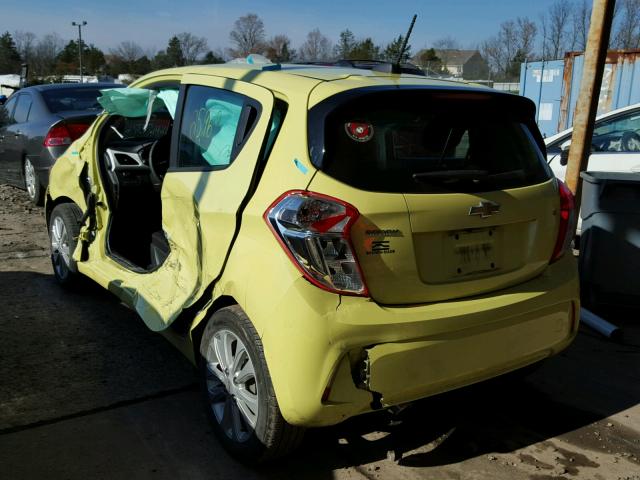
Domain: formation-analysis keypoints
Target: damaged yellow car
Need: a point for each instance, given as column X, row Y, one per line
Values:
column 321, row 242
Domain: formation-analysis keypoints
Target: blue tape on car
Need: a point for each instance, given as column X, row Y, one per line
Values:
column 300, row 166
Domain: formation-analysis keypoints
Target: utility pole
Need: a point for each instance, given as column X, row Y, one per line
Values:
column 80, row 25
column 594, row 59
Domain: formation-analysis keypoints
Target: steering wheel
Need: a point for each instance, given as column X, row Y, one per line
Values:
column 159, row 160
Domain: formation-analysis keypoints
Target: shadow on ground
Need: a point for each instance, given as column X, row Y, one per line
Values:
column 67, row 354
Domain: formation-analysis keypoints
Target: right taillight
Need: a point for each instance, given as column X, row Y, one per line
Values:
column 63, row 134
column 567, row 225
column 314, row 231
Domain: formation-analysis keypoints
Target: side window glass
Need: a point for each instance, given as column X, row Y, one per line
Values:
column 6, row 112
column 209, row 127
column 22, row 109
column 620, row 134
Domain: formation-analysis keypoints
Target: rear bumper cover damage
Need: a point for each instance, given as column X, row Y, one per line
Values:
column 403, row 372
column 363, row 356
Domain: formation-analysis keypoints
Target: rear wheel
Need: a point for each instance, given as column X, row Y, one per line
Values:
column 32, row 183
column 64, row 228
column 237, row 387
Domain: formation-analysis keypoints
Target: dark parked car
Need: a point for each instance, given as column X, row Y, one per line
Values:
column 37, row 124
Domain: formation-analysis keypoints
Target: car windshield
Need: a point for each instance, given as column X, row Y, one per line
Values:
column 421, row 141
column 68, row 99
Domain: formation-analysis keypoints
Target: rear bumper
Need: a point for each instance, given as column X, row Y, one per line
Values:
column 328, row 363
column 402, row 372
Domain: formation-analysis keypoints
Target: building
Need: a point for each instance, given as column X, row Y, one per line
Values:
column 467, row 64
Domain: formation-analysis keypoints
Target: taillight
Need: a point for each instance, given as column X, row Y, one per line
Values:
column 314, row 231
column 567, row 227
column 64, row 133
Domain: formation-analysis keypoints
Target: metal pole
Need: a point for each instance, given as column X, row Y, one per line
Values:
column 80, row 25
column 540, row 94
column 594, row 59
column 599, row 324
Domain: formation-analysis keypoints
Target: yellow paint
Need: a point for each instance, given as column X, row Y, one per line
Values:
column 314, row 339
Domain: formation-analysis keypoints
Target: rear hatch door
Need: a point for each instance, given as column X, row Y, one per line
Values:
column 454, row 193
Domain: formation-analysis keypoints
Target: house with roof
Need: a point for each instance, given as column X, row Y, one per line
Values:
column 467, row 64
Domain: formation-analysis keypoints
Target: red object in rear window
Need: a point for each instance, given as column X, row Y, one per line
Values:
column 64, row 133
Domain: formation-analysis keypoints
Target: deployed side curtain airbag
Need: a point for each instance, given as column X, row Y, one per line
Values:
column 137, row 102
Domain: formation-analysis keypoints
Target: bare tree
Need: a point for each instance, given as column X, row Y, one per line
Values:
column 248, row 35
column 316, row 47
column 513, row 45
column 556, row 37
column 627, row 35
column 45, row 54
column 192, row 47
column 279, row 50
column 25, row 44
column 581, row 21
column 128, row 51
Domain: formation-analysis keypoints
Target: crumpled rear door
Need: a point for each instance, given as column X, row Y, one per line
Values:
column 200, row 215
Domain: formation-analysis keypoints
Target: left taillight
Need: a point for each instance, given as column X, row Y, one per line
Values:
column 567, row 224
column 315, row 232
column 63, row 134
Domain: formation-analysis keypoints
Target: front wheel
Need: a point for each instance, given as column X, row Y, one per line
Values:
column 237, row 388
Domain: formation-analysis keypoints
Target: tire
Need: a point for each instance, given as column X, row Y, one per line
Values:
column 32, row 183
column 64, row 228
column 244, row 414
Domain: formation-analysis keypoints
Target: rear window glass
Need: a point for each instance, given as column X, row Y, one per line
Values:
column 69, row 99
column 422, row 141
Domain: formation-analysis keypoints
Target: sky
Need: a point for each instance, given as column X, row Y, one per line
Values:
column 152, row 23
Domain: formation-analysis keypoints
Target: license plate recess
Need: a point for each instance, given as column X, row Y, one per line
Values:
column 474, row 251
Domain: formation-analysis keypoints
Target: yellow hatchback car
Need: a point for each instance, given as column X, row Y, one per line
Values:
column 321, row 242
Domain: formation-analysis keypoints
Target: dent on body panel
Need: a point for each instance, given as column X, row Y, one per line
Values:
column 175, row 285
column 63, row 179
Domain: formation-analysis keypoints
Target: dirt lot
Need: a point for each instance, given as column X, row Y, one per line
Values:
column 86, row 391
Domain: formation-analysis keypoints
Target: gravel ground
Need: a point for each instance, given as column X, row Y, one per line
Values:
column 86, row 391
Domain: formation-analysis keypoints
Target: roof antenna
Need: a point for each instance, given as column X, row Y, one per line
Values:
column 396, row 64
column 395, row 67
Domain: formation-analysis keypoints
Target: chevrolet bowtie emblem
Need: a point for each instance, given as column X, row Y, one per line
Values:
column 485, row 209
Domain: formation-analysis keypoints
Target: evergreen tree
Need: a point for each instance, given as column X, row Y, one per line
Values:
column 68, row 62
column 364, row 50
column 174, row 54
column 345, row 45
column 392, row 50
column 9, row 56
column 211, row 58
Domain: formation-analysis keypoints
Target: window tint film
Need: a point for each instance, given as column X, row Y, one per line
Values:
column 432, row 142
column 209, row 127
column 70, row 99
column 22, row 109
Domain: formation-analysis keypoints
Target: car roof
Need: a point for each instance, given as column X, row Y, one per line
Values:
column 287, row 77
column 62, row 86
column 604, row 116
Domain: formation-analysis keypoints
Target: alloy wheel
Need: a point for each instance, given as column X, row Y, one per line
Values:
column 231, row 385
column 60, row 250
column 30, row 178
